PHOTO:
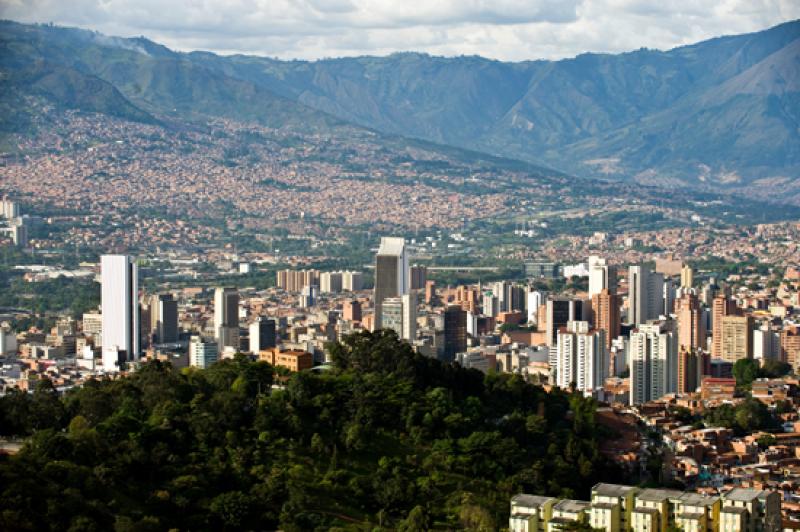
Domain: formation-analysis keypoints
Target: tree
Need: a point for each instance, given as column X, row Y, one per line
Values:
column 745, row 371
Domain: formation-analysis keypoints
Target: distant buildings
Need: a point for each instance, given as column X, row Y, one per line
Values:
column 262, row 334
column 120, row 306
column 455, row 332
column 582, row 357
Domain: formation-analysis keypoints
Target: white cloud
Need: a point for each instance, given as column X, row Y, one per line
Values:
column 502, row 29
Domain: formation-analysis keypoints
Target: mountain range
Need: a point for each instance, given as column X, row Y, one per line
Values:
column 722, row 114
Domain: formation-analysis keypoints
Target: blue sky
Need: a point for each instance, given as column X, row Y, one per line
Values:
column 501, row 29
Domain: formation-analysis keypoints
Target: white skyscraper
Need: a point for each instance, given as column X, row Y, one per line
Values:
column 601, row 276
column 653, row 353
column 534, row 299
column 582, row 357
column 120, row 305
column 645, row 295
column 391, row 273
column 410, row 316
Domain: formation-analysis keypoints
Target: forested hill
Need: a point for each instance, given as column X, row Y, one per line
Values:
column 386, row 438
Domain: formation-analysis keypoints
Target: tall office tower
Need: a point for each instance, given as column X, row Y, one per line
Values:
column 391, row 273
column 202, row 353
column 262, row 334
column 419, row 276
column 645, row 295
column 601, row 276
column 582, row 357
column 653, row 356
column 691, row 366
column 351, row 310
column 790, row 346
column 691, row 326
column 535, row 299
column 669, row 297
column 455, row 332
column 559, row 312
column 120, row 302
column 430, row 292
column 409, row 331
column 722, row 306
column 737, row 338
column 226, row 317
column 687, row 277
column 605, row 308
column 352, row 281
column 163, row 318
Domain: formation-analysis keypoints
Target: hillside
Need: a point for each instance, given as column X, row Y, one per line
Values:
column 386, row 438
column 720, row 113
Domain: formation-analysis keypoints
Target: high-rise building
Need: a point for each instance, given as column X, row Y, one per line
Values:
column 296, row 280
column 645, row 295
column 430, row 291
column 352, row 281
column 9, row 209
column 687, row 277
column 226, row 317
column 455, row 332
column 559, row 312
column 605, row 309
column 766, row 344
column 93, row 326
column 722, row 306
column 163, row 318
column 351, row 310
column 409, row 331
column 330, row 282
column 737, row 338
column 669, row 297
column 120, row 306
column 582, row 357
column 419, row 276
column 692, row 365
column 262, row 334
column 534, row 300
column 391, row 273
column 601, row 276
column 790, row 346
column 691, row 326
column 202, row 353
column 392, row 314
column 653, row 353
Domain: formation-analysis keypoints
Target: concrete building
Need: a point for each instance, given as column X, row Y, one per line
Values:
column 606, row 314
column 163, row 318
column 582, row 357
column 120, row 311
column 691, row 327
column 391, row 274
column 645, row 295
column 653, row 356
column 750, row 510
column 737, row 338
column 455, row 332
column 262, row 334
column 202, row 352
column 601, row 276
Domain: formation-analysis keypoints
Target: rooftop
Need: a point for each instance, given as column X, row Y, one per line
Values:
column 658, row 495
column 529, row 501
column 612, row 490
column 571, row 506
column 743, row 494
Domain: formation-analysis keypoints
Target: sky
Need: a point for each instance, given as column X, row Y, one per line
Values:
column 509, row 30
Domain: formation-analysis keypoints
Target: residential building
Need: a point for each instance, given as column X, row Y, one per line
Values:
column 202, row 352
column 645, row 295
column 653, row 356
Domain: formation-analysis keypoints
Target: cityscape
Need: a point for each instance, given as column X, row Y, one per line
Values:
column 232, row 304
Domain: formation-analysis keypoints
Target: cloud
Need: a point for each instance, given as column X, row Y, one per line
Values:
column 501, row 29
